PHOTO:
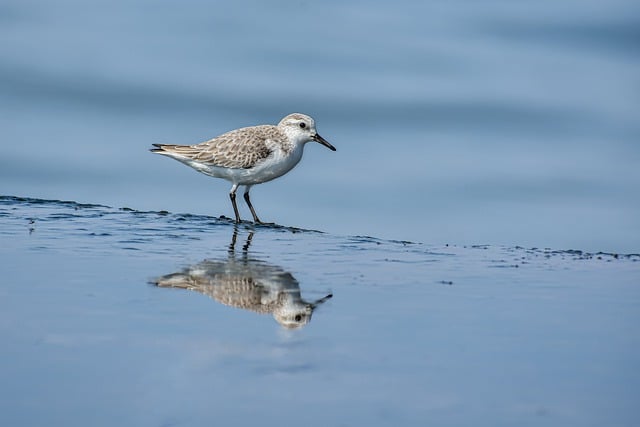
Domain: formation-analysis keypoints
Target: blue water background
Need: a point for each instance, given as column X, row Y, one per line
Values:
column 457, row 122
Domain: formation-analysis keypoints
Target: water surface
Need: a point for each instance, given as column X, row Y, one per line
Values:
column 415, row 334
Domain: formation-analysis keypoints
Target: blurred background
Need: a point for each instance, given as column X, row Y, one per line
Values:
column 493, row 122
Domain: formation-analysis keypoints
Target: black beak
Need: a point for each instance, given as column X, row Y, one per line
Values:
column 321, row 300
column 323, row 141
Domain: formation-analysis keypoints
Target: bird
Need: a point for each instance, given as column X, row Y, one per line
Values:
column 247, row 283
column 250, row 155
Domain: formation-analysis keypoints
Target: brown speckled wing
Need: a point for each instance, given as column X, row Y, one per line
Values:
column 235, row 290
column 238, row 149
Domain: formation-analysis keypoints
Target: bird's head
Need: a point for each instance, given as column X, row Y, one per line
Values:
column 302, row 128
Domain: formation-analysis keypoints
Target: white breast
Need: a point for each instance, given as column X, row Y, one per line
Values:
column 274, row 166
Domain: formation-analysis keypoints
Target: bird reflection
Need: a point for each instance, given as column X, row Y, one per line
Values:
column 248, row 283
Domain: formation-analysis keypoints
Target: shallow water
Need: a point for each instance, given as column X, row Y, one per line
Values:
column 415, row 334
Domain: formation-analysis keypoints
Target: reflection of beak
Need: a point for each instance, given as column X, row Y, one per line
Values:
column 323, row 141
column 323, row 299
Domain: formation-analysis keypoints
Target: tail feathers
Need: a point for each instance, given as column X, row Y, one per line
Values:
column 175, row 280
column 160, row 148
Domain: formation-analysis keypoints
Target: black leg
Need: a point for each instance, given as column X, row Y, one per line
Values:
column 232, row 245
column 245, row 248
column 232, row 195
column 253, row 212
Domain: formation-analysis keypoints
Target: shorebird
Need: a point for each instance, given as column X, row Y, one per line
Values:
column 250, row 155
column 247, row 283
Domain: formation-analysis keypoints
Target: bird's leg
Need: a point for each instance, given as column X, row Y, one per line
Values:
column 248, row 200
column 232, row 195
column 232, row 245
column 245, row 248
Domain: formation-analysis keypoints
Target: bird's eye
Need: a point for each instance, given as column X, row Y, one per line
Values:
column 303, row 125
column 298, row 317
